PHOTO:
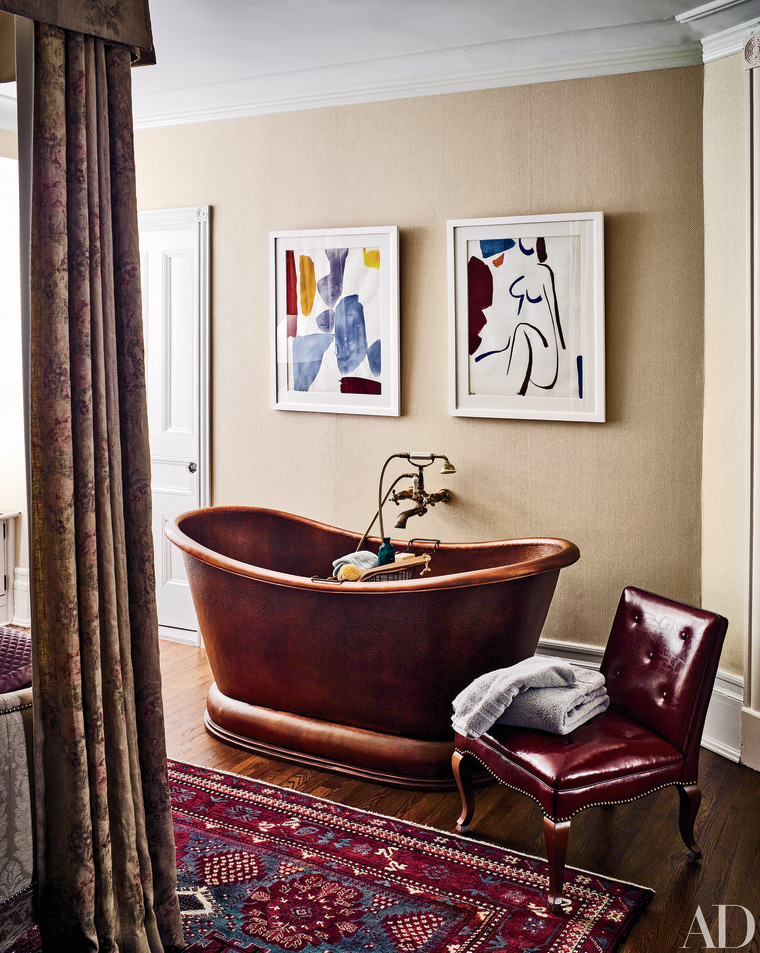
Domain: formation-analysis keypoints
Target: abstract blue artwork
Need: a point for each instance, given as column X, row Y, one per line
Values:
column 335, row 303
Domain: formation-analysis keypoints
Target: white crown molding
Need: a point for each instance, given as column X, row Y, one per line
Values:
column 728, row 42
column 596, row 64
column 254, row 99
column 707, row 10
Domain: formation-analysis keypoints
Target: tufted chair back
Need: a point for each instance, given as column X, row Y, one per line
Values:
column 660, row 665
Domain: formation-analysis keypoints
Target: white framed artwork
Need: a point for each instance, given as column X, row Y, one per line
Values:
column 335, row 320
column 526, row 317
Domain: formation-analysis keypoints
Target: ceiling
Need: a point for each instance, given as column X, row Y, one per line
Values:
column 229, row 58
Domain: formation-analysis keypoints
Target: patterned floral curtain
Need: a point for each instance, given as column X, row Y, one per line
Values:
column 123, row 21
column 105, row 851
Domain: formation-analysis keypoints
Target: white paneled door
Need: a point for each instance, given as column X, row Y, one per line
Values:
column 174, row 256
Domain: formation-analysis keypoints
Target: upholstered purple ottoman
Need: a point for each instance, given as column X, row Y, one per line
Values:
column 15, row 659
column 16, row 789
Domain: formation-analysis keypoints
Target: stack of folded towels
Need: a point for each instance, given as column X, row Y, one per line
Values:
column 541, row 693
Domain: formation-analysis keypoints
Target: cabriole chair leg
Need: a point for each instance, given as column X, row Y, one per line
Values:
column 463, row 774
column 690, row 797
column 556, row 835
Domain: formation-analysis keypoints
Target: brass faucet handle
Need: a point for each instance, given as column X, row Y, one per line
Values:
column 442, row 496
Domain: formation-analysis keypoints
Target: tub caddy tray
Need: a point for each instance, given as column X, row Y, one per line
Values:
column 392, row 572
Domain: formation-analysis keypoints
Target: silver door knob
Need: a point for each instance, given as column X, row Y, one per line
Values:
column 192, row 467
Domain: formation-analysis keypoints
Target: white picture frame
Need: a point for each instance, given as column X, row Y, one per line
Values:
column 526, row 317
column 335, row 320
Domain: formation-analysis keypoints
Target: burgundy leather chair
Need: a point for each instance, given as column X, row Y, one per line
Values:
column 659, row 666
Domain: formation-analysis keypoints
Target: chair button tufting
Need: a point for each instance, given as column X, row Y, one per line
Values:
column 664, row 694
column 651, row 655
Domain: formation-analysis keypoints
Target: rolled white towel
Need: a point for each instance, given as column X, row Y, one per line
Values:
column 362, row 560
column 484, row 700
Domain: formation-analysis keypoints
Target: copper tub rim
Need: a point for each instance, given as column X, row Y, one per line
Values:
column 564, row 553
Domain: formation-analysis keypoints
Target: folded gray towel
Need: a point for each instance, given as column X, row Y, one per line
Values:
column 362, row 560
column 559, row 710
column 478, row 706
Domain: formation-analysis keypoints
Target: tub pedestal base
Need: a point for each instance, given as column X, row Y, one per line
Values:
column 359, row 752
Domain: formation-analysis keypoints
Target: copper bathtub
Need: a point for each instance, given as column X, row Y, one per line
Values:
column 359, row 676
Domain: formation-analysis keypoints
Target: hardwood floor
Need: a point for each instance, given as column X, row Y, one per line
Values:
column 636, row 842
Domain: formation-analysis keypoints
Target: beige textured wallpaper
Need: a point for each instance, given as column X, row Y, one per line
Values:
column 725, row 516
column 628, row 491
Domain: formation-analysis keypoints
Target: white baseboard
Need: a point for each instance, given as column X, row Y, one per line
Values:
column 22, row 607
column 751, row 738
column 584, row 656
column 722, row 732
column 186, row 636
column 723, row 725
column 22, row 612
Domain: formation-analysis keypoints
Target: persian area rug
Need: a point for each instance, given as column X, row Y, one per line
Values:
column 264, row 869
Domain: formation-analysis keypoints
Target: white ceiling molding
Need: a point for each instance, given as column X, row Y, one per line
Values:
column 708, row 10
column 240, row 98
column 427, row 48
column 728, row 42
column 341, row 94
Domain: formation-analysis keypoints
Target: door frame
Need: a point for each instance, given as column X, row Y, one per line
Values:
column 176, row 218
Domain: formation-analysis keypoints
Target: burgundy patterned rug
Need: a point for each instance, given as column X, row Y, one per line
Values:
column 264, row 869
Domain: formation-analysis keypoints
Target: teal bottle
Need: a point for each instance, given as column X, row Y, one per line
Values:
column 386, row 554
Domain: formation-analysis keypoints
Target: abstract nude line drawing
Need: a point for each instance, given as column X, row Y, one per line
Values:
column 526, row 317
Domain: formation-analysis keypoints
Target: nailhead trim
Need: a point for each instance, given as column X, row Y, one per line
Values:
column 10, row 711
column 30, row 887
column 556, row 820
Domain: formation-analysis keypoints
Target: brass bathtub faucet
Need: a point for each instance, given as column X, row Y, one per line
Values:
column 421, row 497
column 416, row 492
